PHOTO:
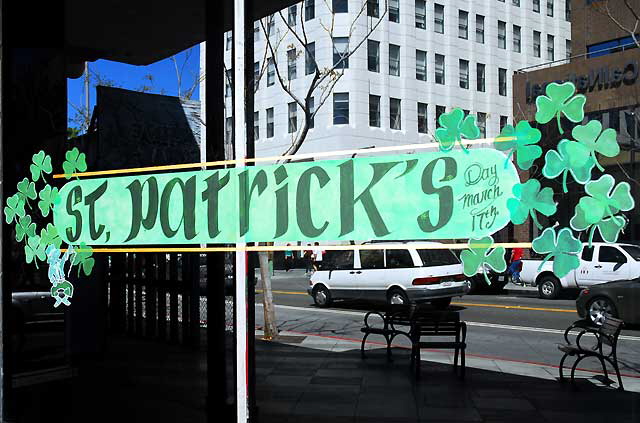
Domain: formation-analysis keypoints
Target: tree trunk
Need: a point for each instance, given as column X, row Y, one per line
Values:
column 270, row 327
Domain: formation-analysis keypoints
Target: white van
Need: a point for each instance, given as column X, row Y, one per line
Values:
column 397, row 276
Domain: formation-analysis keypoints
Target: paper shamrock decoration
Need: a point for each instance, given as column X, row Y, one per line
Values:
column 478, row 256
column 14, row 208
column 41, row 164
column 50, row 236
column 530, row 199
column 454, row 126
column 590, row 139
column 75, row 162
column 563, row 249
column 523, row 145
column 48, row 197
column 598, row 209
column 34, row 250
column 560, row 162
column 83, row 259
column 27, row 190
column 560, row 100
column 25, row 228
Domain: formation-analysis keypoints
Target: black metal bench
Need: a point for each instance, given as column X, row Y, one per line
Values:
column 606, row 334
column 394, row 317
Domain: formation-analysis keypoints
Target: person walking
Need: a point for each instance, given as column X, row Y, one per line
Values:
column 515, row 264
column 308, row 260
column 317, row 256
column 288, row 259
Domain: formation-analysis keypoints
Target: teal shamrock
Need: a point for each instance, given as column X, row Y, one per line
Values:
column 27, row 190
column 598, row 209
column 83, row 259
column 75, row 161
column 48, row 197
column 560, row 100
column 14, row 208
column 41, row 164
column 564, row 250
column 590, row 141
column 529, row 198
column 523, row 136
column 34, row 249
column 50, row 236
column 453, row 127
column 478, row 255
column 560, row 162
column 25, row 227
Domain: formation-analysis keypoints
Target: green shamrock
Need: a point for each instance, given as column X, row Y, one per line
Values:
column 598, row 209
column 478, row 255
column 75, row 161
column 62, row 292
column 564, row 250
column 34, row 249
column 453, row 127
column 590, row 141
column 529, row 199
column 560, row 100
column 41, row 164
column 83, row 258
column 523, row 136
column 27, row 190
column 25, row 227
column 50, row 236
column 48, row 197
column 557, row 162
column 14, row 208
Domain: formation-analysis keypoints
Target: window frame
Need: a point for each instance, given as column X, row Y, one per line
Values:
column 270, row 122
column 376, row 57
column 421, row 14
column 462, row 62
column 502, row 35
column 292, row 67
column 342, row 61
column 375, row 120
column 480, row 28
column 517, row 38
column 395, row 124
column 438, row 22
column 440, row 76
column 481, row 77
column 394, row 60
column 421, row 71
column 423, row 118
column 292, row 117
column 463, row 24
column 502, row 82
column 338, row 106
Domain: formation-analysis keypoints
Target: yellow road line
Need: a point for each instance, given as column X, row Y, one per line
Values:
column 259, row 291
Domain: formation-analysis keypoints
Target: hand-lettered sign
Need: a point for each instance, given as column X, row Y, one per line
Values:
column 414, row 196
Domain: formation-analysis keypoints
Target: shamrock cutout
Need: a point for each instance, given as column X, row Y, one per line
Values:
column 41, row 164
column 563, row 250
column 590, row 141
column 34, row 250
column 48, row 197
column 25, row 227
column 598, row 210
column 560, row 100
column 557, row 162
column 27, row 190
column 529, row 200
column 14, row 208
column 523, row 136
column 478, row 255
column 75, row 161
column 453, row 127
column 50, row 236
column 84, row 259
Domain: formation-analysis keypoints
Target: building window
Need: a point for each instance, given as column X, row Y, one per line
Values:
column 256, row 31
column 341, row 52
column 374, row 110
column 423, row 126
column 502, row 34
column 270, row 122
column 421, row 65
column 394, row 11
column 256, row 76
column 291, row 64
column 309, row 10
column 463, row 24
column 536, row 43
column 256, row 125
column 293, row 15
column 228, row 83
column 502, row 81
column 536, row 6
column 438, row 18
column 568, row 48
column 567, row 10
column 271, row 26
column 550, row 48
column 293, row 117
column 482, row 124
column 340, row 6
column 421, row 14
column 394, row 113
column 340, row 108
column 312, row 110
column 373, row 56
column 549, row 7
column 439, row 69
column 516, row 39
column 440, row 110
column 310, row 59
column 229, row 43
column 394, row 60
column 373, row 8
column 271, row 72
column 480, row 29
column 515, row 3
column 480, row 85
column 228, row 129
column 611, row 46
column 464, row 73
column 504, row 121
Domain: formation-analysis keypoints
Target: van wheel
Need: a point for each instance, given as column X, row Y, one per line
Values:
column 549, row 287
column 397, row 296
column 441, row 303
column 321, row 296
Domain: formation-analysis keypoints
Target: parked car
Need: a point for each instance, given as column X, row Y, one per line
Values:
column 397, row 276
column 620, row 299
column 602, row 262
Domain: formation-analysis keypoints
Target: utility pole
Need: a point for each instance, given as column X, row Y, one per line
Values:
column 87, row 118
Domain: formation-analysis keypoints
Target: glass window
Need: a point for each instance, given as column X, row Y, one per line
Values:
column 229, row 43
column 480, row 74
column 394, row 60
column 421, row 14
column 423, row 124
column 611, row 255
column 568, row 49
column 256, row 125
column 373, row 8
column 374, row 110
column 312, row 110
column 502, row 34
column 271, row 72
column 437, row 257
column 371, row 259
column 421, row 65
column 480, row 29
column 394, row 11
column 256, row 31
column 502, row 81
column 293, row 117
column 536, row 6
column 256, row 75
column 394, row 113
column 373, row 56
column 270, row 123
column 271, row 26
column 228, row 80
column 228, row 129
column 338, row 260
column 439, row 69
column 536, row 43
column 291, row 64
column 310, row 59
column 515, row 3
column 549, row 7
column 340, row 6
column 440, row 110
column 516, row 39
column 464, row 73
column 587, row 253
column 293, row 15
column 504, row 121
column 340, row 108
column 341, row 52
column 438, row 18
column 550, row 48
column 397, row 259
column 482, row 124
column 611, row 46
column 567, row 10
column 309, row 10
column 463, row 24
column 632, row 250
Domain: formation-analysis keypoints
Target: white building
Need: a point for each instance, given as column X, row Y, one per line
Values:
column 425, row 57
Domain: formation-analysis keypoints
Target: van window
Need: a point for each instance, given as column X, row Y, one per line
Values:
column 337, row 260
column 372, row 259
column 441, row 257
column 397, row 259
column 611, row 255
column 587, row 253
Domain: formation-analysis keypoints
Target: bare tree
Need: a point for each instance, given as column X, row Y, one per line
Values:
column 626, row 18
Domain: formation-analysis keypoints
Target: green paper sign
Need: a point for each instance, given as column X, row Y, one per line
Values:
column 438, row 195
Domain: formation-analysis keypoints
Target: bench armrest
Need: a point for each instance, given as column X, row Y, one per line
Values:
column 581, row 325
column 366, row 319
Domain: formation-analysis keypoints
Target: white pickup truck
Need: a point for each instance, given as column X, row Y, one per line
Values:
column 599, row 263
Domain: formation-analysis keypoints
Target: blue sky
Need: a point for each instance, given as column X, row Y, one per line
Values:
column 133, row 77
